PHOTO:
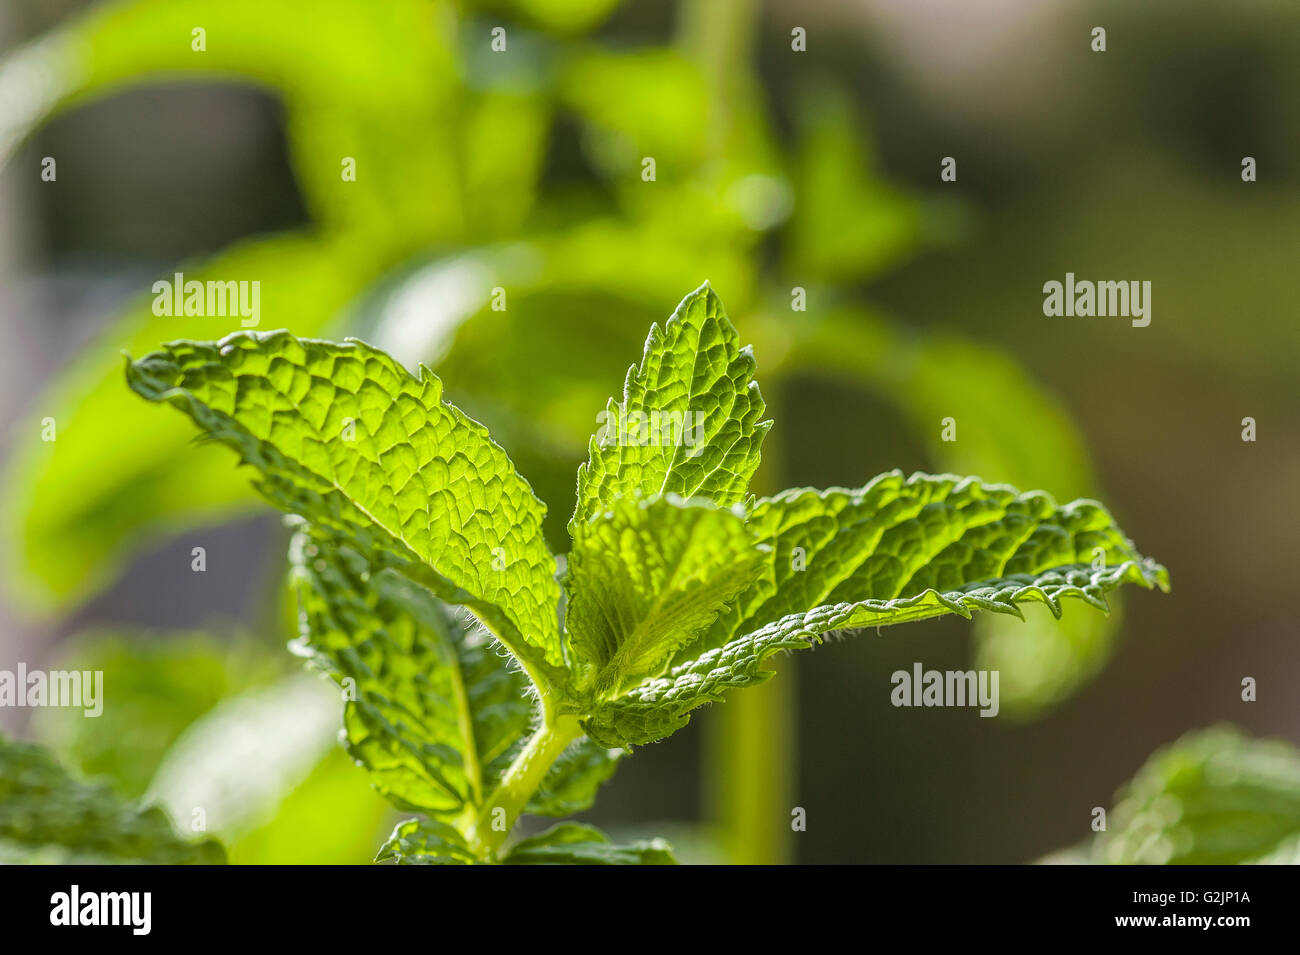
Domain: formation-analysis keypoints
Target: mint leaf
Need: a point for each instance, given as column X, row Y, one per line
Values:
column 349, row 439
column 689, row 422
column 924, row 378
column 425, row 842
column 570, row 843
column 437, row 712
column 644, row 578
column 1214, row 797
column 894, row 551
column 46, row 815
column 894, row 546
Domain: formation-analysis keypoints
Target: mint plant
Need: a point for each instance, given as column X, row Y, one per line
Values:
column 483, row 678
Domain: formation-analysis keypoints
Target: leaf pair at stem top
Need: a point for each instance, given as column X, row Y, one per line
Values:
column 678, row 586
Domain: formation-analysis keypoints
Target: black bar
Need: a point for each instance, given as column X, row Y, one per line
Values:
column 432, row 907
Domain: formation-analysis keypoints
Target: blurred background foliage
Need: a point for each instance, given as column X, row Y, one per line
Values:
column 775, row 170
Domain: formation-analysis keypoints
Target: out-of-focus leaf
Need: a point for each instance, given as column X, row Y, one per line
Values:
column 157, row 686
column 1042, row 660
column 571, row 843
column 645, row 103
column 118, row 471
column 350, row 83
column 503, row 143
column 848, row 223
column 607, row 256
column 47, row 815
column 232, row 768
column 551, row 358
column 1073, row 855
column 333, row 817
column 941, row 374
column 1214, row 797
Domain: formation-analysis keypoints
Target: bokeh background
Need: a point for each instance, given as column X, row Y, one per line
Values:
column 775, row 169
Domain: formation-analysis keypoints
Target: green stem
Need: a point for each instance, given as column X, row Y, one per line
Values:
column 750, row 755
column 499, row 811
column 719, row 36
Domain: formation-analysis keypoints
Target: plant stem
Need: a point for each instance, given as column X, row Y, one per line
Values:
column 498, row 814
column 752, row 747
column 749, row 757
column 719, row 36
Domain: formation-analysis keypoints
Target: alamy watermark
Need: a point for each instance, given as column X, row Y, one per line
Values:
column 210, row 299
column 82, row 689
column 665, row 429
column 1085, row 299
column 922, row 687
column 130, row 909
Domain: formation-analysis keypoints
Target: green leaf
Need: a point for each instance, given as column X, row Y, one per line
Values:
column 925, row 378
column 570, row 843
column 435, row 712
column 425, row 842
column 46, row 815
column 897, row 550
column 574, row 779
column 892, row 548
column 346, row 437
column 1214, row 797
column 689, row 422
column 645, row 578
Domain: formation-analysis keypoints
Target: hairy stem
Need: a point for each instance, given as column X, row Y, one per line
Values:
column 499, row 811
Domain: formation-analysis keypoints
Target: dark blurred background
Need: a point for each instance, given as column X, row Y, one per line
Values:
column 1117, row 165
